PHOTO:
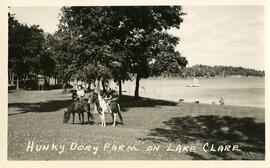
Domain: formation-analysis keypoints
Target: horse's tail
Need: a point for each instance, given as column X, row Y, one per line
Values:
column 119, row 113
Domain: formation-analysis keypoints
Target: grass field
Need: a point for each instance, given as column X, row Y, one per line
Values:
column 178, row 131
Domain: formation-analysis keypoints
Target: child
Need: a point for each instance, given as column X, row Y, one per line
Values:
column 80, row 92
column 104, row 100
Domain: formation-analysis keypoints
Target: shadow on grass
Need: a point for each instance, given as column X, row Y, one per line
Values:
column 54, row 105
column 85, row 123
column 130, row 101
column 217, row 130
column 50, row 106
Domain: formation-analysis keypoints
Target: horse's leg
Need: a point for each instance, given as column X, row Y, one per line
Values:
column 82, row 117
column 119, row 113
column 114, row 119
column 73, row 115
column 103, row 116
column 101, row 119
column 79, row 117
column 88, row 115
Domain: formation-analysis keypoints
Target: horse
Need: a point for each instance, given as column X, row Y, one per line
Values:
column 103, row 107
column 78, row 106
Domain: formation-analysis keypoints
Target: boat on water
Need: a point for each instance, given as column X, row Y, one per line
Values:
column 194, row 84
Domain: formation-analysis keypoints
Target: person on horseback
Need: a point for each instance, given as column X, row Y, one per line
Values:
column 80, row 92
column 102, row 108
column 107, row 98
column 104, row 103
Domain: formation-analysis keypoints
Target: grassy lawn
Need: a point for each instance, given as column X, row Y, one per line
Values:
column 178, row 131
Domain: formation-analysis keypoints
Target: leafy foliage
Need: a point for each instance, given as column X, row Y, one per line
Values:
column 212, row 71
column 102, row 43
column 25, row 45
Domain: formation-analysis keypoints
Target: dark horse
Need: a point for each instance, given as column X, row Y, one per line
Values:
column 102, row 108
column 78, row 107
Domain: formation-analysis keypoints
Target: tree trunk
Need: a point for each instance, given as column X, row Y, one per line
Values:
column 11, row 77
column 97, row 86
column 17, row 84
column 55, row 80
column 47, row 80
column 136, row 94
column 120, row 87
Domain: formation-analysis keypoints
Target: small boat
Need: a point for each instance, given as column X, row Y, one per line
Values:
column 194, row 84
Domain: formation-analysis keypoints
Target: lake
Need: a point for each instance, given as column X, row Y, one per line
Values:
column 235, row 91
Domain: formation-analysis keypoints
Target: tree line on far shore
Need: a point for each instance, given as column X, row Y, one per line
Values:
column 218, row 71
column 97, row 44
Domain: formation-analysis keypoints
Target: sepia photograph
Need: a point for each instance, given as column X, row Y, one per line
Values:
column 157, row 82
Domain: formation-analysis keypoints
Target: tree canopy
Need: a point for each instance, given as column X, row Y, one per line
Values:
column 25, row 45
column 99, row 43
column 116, row 42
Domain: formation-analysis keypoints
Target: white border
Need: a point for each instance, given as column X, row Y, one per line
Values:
column 4, row 99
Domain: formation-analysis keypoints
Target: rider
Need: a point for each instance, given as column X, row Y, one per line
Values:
column 105, row 101
column 80, row 92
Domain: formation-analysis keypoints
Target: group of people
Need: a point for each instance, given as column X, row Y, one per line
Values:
column 79, row 94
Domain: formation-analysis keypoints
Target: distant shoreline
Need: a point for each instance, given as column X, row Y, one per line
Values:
column 216, row 77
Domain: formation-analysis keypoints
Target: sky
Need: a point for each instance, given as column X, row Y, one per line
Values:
column 209, row 35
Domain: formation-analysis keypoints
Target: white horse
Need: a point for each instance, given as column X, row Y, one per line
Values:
column 103, row 107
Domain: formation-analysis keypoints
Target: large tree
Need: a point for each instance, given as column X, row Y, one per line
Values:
column 88, row 32
column 47, row 63
column 25, row 45
column 113, row 42
column 140, row 32
column 164, row 59
column 60, row 43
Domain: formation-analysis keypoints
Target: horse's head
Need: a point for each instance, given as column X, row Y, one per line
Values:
column 66, row 117
column 93, row 98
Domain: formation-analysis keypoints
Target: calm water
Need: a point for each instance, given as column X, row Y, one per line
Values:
column 235, row 91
